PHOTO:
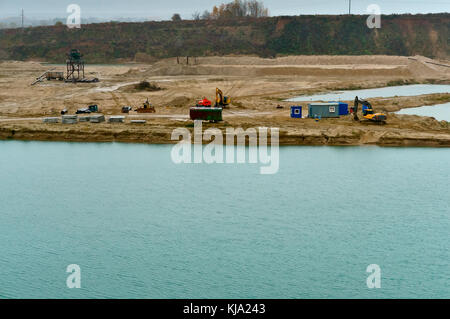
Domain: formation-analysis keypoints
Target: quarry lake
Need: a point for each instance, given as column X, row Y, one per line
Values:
column 440, row 112
column 140, row 226
column 391, row 91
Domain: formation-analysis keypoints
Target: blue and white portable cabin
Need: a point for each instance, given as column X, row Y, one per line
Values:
column 296, row 112
column 323, row 110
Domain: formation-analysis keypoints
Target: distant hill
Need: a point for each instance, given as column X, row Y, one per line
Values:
column 16, row 22
column 426, row 35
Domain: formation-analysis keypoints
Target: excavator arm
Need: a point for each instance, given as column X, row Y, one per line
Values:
column 355, row 109
column 219, row 96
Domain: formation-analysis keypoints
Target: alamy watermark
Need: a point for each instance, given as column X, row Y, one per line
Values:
column 189, row 150
column 374, row 279
column 74, row 279
column 74, row 19
column 374, row 19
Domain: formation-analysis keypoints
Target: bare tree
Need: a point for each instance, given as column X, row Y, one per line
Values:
column 206, row 15
column 237, row 9
column 256, row 9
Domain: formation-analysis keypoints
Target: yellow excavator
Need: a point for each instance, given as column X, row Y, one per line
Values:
column 368, row 112
column 221, row 100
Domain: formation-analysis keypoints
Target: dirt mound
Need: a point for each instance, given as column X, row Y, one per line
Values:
column 310, row 60
column 423, row 67
column 316, row 66
column 180, row 101
column 143, row 86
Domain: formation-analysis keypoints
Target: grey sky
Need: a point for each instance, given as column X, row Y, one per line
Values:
column 164, row 9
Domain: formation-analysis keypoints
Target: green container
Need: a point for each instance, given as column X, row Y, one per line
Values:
column 213, row 114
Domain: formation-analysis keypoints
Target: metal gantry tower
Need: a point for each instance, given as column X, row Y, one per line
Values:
column 75, row 66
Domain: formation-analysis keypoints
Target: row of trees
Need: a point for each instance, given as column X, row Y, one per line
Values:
column 235, row 9
column 147, row 42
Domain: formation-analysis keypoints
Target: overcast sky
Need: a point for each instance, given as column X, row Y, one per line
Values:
column 157, row 9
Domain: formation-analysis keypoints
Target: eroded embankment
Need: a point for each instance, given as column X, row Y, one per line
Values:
column 338, row 136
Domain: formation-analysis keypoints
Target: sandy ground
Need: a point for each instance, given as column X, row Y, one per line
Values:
column 257, row 86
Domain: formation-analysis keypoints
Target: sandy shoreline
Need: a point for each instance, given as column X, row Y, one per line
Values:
column 333, row 132
column 256, row 86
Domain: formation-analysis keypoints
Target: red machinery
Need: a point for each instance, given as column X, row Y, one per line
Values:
column 205, row 103
column 205, row 112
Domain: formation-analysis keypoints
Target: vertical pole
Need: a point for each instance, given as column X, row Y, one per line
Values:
column 22, row 18
column 349, row 7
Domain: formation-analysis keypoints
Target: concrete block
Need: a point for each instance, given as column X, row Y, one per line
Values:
column 85, row 119
column 116, row 119
column 51, row 120
column 69, row 119
column 97, row 118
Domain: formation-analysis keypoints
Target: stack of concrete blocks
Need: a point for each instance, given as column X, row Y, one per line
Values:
column 116, row 119
column 97, row 118
column 69, row 119
column 51, row 120
column 85, row 119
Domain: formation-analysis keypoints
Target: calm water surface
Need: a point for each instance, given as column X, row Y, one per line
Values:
column 440, row 112
column 140, row 226
column 404, row 90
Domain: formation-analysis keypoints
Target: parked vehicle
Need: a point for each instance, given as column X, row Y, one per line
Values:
column 83, row 111
column 146, row 108
column 126, row 109
column 368, row 112
column 93, row 108
column 221, row 100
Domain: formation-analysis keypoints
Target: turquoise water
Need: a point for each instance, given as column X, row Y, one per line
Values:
column 142, row 227
column 440, row 112
column 404, row 90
